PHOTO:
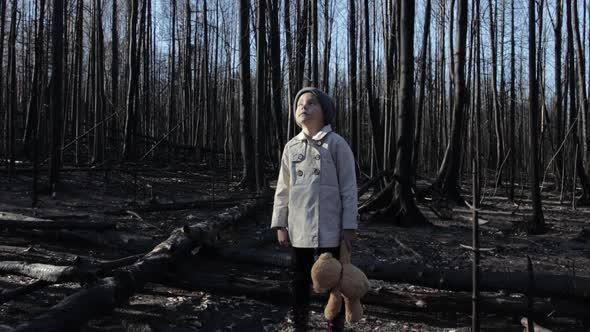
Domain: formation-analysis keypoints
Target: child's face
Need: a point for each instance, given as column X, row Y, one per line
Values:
column 309, row 110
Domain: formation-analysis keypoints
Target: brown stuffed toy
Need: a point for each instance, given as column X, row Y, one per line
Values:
column 342, row 279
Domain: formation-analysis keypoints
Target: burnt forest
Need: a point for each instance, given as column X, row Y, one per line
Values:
column 141, row 143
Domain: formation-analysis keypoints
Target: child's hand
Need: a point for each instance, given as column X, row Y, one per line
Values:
column 349, row 236
column 283, row 237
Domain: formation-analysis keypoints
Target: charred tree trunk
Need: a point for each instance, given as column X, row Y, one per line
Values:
column 98, row 85
column 352, row 75
column 495, row 102
column 420, row 109
column 260, row 92
column 9, row 124
column 574, row 114
column 314, row 43
column 291, row 126
column 403, row 206
column 187, row 72
column 114, row 63
column 328, row 21
column 77, row 104
column 56, row 88
column 33, row 105
column 447, row 182
column 172, row 116
column 513, row 153
column 129, row 152
column 376, row 127
column 3, row 5
column 301, row 47
column 248, row 175
column 275, row 68
column 558, row 132
column 537, row 222
column 582, row 96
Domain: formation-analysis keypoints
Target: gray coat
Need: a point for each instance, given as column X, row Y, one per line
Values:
column 316, row 195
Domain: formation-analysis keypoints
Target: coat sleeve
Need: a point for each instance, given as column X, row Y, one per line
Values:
column 348, row 188
column 280, row 212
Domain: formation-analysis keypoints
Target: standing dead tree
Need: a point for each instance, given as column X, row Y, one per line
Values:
column 499, row 156
column 574, row 114
column 56, row 88
column 422, row 82
column 447, row 181
column 537, row 222
column 248, row 175
column 352, row 75
column 11, row 85
column 275, row 69
column 36, row 88
column 133, row 65
column 403, row 206
column 260, row 92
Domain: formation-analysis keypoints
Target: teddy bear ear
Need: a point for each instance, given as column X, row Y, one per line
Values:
column 325, row 255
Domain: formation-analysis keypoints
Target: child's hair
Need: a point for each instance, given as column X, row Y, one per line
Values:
column 325, row 100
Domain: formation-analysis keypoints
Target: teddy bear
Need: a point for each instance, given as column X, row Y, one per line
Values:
column 343, row 280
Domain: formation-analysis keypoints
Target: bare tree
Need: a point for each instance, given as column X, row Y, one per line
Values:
column 537, row 222
column 2, row 24
column 76, row 103
column 56, row 88
column 98, row 84
column 581, row 84
column 275, row 69
column 352, row 66
column 133, row 65
column 291, row 71
column 376, row 128
column 248, row 175
column 513, row 153
column 403, row 205
column 574, row 114
column 328, row 21
column 115, row 58
column 172, row 116
column 314, row 43
column 495, row 102
column 33, row 105
column 261, row 91
column 448, row 176
column 420, row 109
column 9, row 123
column 558, row 132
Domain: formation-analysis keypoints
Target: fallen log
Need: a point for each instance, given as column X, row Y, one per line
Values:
column 17, row 292
column 46, row 272
column 62, row 216
column 36, row 254
column 106, row 293
column 156, row 207
column 81, row 270
column 129, row 242
column 546, row 284
column 59, row 224
column 189, row 276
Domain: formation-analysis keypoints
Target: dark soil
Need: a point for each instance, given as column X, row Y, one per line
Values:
column 565, row 248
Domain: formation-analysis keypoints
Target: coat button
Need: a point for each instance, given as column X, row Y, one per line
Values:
column 300, row 172
column 317, row 157
column 316, row 171
column 318, row 142
column 300, row 157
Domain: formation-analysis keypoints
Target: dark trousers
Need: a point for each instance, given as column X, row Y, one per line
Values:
column 302, row 260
